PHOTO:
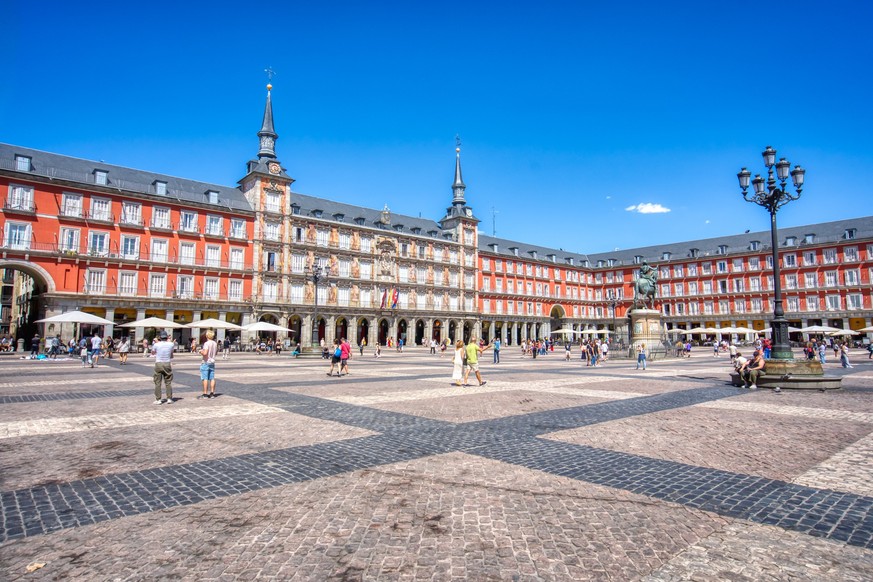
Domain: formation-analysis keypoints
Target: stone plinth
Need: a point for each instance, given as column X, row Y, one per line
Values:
column 646, row 325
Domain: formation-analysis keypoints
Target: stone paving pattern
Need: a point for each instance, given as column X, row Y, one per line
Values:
column 551, row 471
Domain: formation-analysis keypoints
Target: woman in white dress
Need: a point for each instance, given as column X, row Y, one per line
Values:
column 458, row 362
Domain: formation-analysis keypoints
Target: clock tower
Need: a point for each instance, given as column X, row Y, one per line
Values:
column 458, row 216
column 268, row 190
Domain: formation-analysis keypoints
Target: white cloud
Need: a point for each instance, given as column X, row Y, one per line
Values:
column 705, row 222
column 647, row 208
column 609, row 197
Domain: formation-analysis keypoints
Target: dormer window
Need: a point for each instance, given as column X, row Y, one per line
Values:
column 295, row 209
column 317, row 213
column 416, row 230
column 339, row 217
column 665, row 256
column 722, row 250
column 212, row 196
column 160, row 188
column 432, row 233
column 695, row 253
column 851, row 233
column 101, row 177
column 585, row 263
column 359, row 221
column 493, row 248
column 552, row 258
column 638, row 259
column 755, row 245
column 601, row 263
column 514, row 250
column 790, row 241
column 22, row 163
column 610, row 263
column 569, row 260
column 398, row 227
column 809, row 238
column 533, row 254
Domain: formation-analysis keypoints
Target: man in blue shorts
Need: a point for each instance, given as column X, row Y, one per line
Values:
column 207, row 367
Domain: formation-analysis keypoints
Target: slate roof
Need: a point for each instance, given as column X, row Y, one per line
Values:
column 372, row 217
column 824, row 232
column 79, row 170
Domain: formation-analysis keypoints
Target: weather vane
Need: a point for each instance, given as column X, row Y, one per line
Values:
column 457, row 140
column 270, row 72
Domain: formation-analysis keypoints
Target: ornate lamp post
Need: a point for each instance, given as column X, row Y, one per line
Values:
column 613, row 302
column 773, row 198
column 317, row 272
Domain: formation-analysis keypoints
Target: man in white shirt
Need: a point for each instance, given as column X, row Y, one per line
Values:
column 163, row 352
column 207, row 366
column 96, row 345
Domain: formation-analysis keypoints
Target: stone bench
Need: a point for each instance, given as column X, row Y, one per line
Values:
column 793, row 375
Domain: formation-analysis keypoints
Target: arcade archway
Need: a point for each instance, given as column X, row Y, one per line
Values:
column 419, row 332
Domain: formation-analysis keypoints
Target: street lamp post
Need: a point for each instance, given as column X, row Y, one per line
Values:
column 613, row 302
column 317, row 272
column 773, row 198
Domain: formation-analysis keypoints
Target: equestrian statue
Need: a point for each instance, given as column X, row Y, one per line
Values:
column 645, row 287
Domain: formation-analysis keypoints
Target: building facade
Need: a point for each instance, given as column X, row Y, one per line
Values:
column 128, row 244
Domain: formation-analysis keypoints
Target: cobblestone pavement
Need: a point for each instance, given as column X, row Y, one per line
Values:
column 550, row 471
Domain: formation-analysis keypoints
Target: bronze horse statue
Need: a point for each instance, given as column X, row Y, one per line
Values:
column 644, row 293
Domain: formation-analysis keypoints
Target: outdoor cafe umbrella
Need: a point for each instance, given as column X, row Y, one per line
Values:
column 770, row 329
column 212, row 323
column 265, row 326
column 819, row 329
column 76, row 317
column 156, row 322
column 843, row 332
column 868, row 329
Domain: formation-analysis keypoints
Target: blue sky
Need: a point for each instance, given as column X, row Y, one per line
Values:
column 570, row 113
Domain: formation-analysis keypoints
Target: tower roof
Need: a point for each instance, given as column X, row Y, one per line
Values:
column 267, row 134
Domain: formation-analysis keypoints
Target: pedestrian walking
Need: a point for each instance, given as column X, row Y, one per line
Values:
column 844, row 356
column 208, row 352
column 34, row 347
column 362, row 345
column 345, row 355
column 641, row 356
column 96, row 346
column 225, row 348
column 124, row 350
column 497, row 351
column 458, row 359
column 473, row 350
column 163, row 353
column 55, row 347
column 335, row 358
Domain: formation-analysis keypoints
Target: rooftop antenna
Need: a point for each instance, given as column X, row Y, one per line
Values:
column 494, row 213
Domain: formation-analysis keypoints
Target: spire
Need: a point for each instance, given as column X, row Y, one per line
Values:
column 267, row 134
column 458, row 187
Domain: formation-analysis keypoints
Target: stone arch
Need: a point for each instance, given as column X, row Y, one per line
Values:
column 36, row 272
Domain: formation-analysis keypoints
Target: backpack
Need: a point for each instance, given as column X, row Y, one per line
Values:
column 338, row 352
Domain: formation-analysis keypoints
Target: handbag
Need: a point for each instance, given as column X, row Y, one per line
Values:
column 84, row 352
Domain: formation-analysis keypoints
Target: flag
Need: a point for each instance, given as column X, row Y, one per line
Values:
column 395, row 295
column 384, row 298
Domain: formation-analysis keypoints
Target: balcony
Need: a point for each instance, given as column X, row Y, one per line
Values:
column 104, row 217
column 19, row 207
column 162, row 225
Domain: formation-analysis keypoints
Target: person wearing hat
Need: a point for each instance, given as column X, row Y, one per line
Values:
column 163, row 352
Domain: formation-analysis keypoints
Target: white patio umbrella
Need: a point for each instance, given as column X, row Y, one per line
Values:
column 868, row 329
column 819, row 329
column 152, row 322
column 742, row 329
column 212, row 323
column 76, row 317
column 728, row 329
column 265, row 326
column 844, row 332
column 694, row 330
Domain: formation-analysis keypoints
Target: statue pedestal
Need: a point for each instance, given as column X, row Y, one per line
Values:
column 646, row 326
column 793, row 375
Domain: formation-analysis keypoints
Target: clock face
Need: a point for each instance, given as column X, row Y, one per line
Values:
column 469, row 212
column 274, row 168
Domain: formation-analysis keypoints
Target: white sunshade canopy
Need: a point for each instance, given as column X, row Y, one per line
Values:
column 76, row 317
column 152, row 322
column 265, row 326
column 819, row 329
column 212, row 323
